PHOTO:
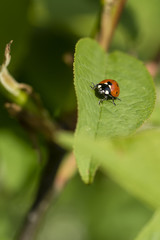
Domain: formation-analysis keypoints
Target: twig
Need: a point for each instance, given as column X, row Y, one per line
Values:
column 111, row 11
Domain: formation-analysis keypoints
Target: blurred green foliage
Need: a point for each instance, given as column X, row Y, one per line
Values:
column 45, row 33
column 99, row 211
column 151, row 230
column 137, row 32
column 20, row 173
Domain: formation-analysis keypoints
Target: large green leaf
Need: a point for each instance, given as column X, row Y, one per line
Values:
column 152, row 230
column 106, row 120
column 133, row 162
column 155, row 117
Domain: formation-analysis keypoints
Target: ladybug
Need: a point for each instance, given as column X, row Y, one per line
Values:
column 107, row 89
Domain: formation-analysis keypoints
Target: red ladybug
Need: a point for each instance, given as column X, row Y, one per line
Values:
column 107, row 89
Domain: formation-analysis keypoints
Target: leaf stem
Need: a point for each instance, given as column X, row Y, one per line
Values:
column 110, row 13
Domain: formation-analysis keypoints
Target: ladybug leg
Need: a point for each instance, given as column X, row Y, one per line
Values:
column 113, row 102
column 118, row 98
column 101, row 100
column 113, row 98
column 94, row 86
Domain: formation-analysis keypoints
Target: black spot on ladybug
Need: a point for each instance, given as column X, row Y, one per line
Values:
column 109, row 83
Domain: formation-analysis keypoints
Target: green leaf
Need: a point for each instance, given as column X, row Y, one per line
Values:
column 135, row 165
column 133, row 162
column 152, row 230
column 155, row 117
column 106, row 120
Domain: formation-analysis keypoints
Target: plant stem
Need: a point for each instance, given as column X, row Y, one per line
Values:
column 111, row 11
column 25, row 104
